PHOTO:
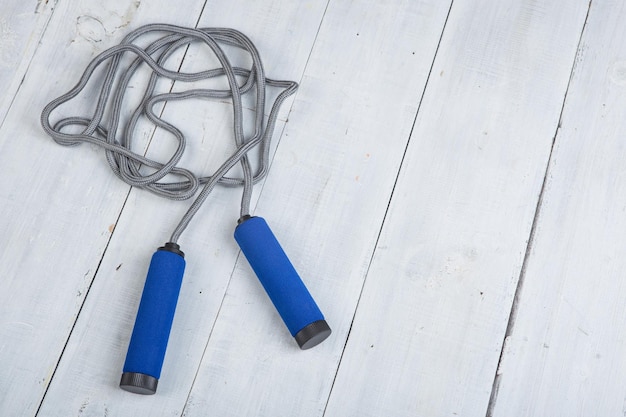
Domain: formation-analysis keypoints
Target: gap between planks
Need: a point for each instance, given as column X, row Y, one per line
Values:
column 30, row 60
column 130, row 188
column 493, row 399
column 393, row 188
column 261, row 186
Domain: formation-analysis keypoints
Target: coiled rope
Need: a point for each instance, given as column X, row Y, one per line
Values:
column 103, row 127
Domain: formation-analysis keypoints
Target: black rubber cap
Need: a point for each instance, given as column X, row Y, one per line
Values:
column 139, row 383
column 172, row 247
column 244, row 218
column 313, row 334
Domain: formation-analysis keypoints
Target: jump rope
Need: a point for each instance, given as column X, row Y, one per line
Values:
column 148, row 342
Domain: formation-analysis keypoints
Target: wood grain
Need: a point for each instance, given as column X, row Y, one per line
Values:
column 565, row 356
column 434, row 309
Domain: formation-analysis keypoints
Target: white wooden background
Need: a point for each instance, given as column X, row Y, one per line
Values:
column 451, row 185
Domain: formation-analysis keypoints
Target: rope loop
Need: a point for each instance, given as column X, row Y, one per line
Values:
column 103, row 128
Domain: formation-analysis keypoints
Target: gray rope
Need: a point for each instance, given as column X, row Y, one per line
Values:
column 102, row 128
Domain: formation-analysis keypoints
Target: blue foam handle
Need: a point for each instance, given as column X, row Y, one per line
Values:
column 281, row 282
column 148, row 342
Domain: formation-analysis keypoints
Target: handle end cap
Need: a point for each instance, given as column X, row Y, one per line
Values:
column 313, row 334
column 138, row 383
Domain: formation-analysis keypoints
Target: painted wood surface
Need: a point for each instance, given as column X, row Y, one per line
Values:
column 325, row 198
column 60, row 205
column 405, row 181
column 431, row 319
column 565, row 354
column 21, row 26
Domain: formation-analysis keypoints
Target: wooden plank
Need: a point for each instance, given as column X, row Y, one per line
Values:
column 60, row 205
column 325, row 198
column 434, row 308
column 88, row 375
column 21, row 26
column 565, row 356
